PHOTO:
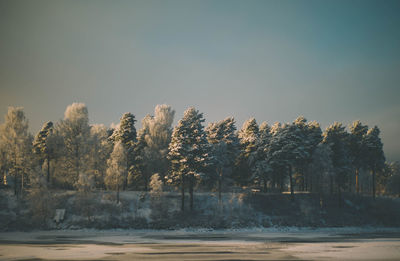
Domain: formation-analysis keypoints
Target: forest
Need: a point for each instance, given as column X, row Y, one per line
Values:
column 159, row 160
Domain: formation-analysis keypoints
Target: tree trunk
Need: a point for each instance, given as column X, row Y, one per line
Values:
column 48, row 168
column 191, row 192
column 125, row 182
column 331, row 184
column 77, row 161
column 305, row 182
column 22, row 184
column 265, row 185
column 291, row 183
column 220, row 188
column 182, row 193
column 117, row 193
column 146, row 186
column 15, row 172
column 15, row 184
column 373, row 183
column 357, row 185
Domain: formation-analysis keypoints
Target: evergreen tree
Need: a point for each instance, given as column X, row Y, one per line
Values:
column 126, row 134
column 42, row 147
column 358, row 149
column 188, row 152
column 139, row 172
column 312, row 136
column 225, row 148
column 336, row 137
column 287, row 150
column 262, row 169
column 393, row 183
column 248, row 136
column 375, row 155
column 116, row 168
column 321, row 167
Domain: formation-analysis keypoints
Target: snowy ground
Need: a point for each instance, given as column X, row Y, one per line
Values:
column 188, row 244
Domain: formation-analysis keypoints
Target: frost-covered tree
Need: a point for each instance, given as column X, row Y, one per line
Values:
column 357, row 149
column 138, row 172
column 393, row 182
column 287, row 150
column 17, row 143
column 85, row 182
column 311, row 136
column 42, row 146
column 126, row 134
column 262, row 169
column 155, row 136
column 156, row 185
column 321, row 167
column 375, row 155
column 3, row 159
column 224, row 149
column 337, row 138
column 116, row 168
column 188, row 152
column 159, row 208
column 75, row 132
column 99, row 151
column 248, row 136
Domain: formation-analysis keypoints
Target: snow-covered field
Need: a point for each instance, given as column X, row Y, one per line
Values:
column 194, row 244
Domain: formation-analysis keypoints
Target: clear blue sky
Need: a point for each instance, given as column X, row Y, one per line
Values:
column 274, row 60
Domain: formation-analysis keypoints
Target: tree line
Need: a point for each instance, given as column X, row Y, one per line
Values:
column 72, row 154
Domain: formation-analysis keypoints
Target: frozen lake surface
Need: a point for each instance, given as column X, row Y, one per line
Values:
column 193, row 244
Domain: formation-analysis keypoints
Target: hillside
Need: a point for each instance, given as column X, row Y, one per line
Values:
column 238, row 210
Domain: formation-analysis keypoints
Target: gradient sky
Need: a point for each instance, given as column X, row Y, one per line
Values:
column 273, row 60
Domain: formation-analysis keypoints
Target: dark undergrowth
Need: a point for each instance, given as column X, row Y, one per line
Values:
column 139, row 210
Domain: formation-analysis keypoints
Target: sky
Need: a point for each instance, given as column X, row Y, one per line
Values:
column 272, row 60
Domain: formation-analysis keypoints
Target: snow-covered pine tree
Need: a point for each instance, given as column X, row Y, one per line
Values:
column 287, row 150
column 188, row 152
column 224, row 149
column 248, row 136
column 261, row 168
column 116, row 168
column 375, row 155
column 126, row 134
column 138, row 172
column 393, row 182
column 337, row 138
column 278, row 168
column 358, row 149
column 321, row 167
column 42, row 147
column 312, row 136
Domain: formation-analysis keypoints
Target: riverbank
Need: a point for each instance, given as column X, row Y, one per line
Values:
column 288, row 243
